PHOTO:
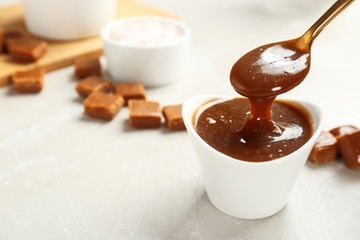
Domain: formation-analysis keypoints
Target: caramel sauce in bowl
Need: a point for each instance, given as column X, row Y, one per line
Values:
column 249, row 189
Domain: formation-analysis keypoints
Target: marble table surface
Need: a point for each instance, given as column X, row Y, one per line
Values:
column 64, row 175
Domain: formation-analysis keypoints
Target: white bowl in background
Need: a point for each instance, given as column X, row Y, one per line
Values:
column 248, row 190
column 67, row 19
column 151, row 64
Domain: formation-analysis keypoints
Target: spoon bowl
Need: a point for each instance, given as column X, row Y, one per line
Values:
column 271, row 69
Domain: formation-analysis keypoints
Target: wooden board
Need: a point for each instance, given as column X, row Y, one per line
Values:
column 61, row 54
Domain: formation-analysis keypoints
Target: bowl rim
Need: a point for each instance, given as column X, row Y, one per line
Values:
column 105, row 31
column 315, row 111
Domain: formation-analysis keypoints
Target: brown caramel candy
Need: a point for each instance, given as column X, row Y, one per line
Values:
column 8, row 36
column 342, row 130
column 144, row 114
column 349, row 145
column 28, row 81
column 91, row 84
column 85, row 66
column 173, row 117
column 26, row 49
column 325, row 149
column 103, row 105
column 130, row 91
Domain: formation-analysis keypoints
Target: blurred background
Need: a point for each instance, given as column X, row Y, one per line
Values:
column 134, row 197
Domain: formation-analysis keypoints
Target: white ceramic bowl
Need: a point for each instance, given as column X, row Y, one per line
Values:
column 242, row 189
column 152, row 65
column 67, row 19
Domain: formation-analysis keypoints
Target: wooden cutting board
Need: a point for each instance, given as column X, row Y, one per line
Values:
column 61, row 54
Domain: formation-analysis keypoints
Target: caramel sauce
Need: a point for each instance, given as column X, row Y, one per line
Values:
column 270, row 70
column 258, row 129
column 221, row 124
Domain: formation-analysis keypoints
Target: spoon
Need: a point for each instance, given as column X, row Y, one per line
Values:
column 275, row 68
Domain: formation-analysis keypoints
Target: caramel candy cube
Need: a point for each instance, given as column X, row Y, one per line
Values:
column 103, row 105
column 28, row 81
column 349, row 145
column 91, row 84
column 8, row 36
column 144, row 114
column 325, row 149
column 130, row 91
column 26, row 49
column 342, row 130
column 173, row 117
column 85, row 66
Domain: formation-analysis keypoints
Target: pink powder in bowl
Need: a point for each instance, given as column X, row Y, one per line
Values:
column 145, row 32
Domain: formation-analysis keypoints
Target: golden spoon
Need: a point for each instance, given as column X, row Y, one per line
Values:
column 272, row 69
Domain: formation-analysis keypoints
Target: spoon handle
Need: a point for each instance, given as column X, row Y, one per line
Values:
column 306, row 40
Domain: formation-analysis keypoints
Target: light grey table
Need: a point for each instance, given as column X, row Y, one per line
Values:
column 66, row 176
